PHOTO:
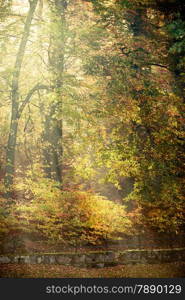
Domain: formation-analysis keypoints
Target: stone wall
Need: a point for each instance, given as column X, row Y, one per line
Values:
column 100, row 259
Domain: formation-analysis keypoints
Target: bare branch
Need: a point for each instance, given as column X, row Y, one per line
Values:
column 29, row 95
column 158, row 65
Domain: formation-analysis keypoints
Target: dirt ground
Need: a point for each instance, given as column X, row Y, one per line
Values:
column 166, row 270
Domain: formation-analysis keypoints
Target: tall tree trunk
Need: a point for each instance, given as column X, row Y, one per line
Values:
column 52, row 136
column 10, row 153
column 52, row 146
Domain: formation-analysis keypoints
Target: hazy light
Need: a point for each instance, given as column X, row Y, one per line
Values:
column 20, row 6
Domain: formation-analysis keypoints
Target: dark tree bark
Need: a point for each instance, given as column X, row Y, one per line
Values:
column 52, row 135
column 52, row 147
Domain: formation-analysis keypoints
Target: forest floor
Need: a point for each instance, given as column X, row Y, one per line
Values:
column 166, row 270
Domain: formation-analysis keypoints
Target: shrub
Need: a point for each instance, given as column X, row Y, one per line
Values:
column 64, row 216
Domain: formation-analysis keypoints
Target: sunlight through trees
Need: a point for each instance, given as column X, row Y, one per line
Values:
column 92, row 118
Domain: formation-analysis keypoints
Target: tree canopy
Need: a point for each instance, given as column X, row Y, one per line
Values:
column 92, row 104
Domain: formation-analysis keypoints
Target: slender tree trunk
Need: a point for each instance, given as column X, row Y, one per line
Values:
column 11, row 147
column 57, row 151
column 46, row 151
column 10, row 154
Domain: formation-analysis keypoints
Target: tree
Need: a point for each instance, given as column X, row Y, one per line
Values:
column 18, row 107
column 52, row 135
column 111, row 101
column 145, row 140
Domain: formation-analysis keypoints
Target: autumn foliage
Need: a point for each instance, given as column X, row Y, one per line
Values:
column 68, row 217
column 92, row 97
